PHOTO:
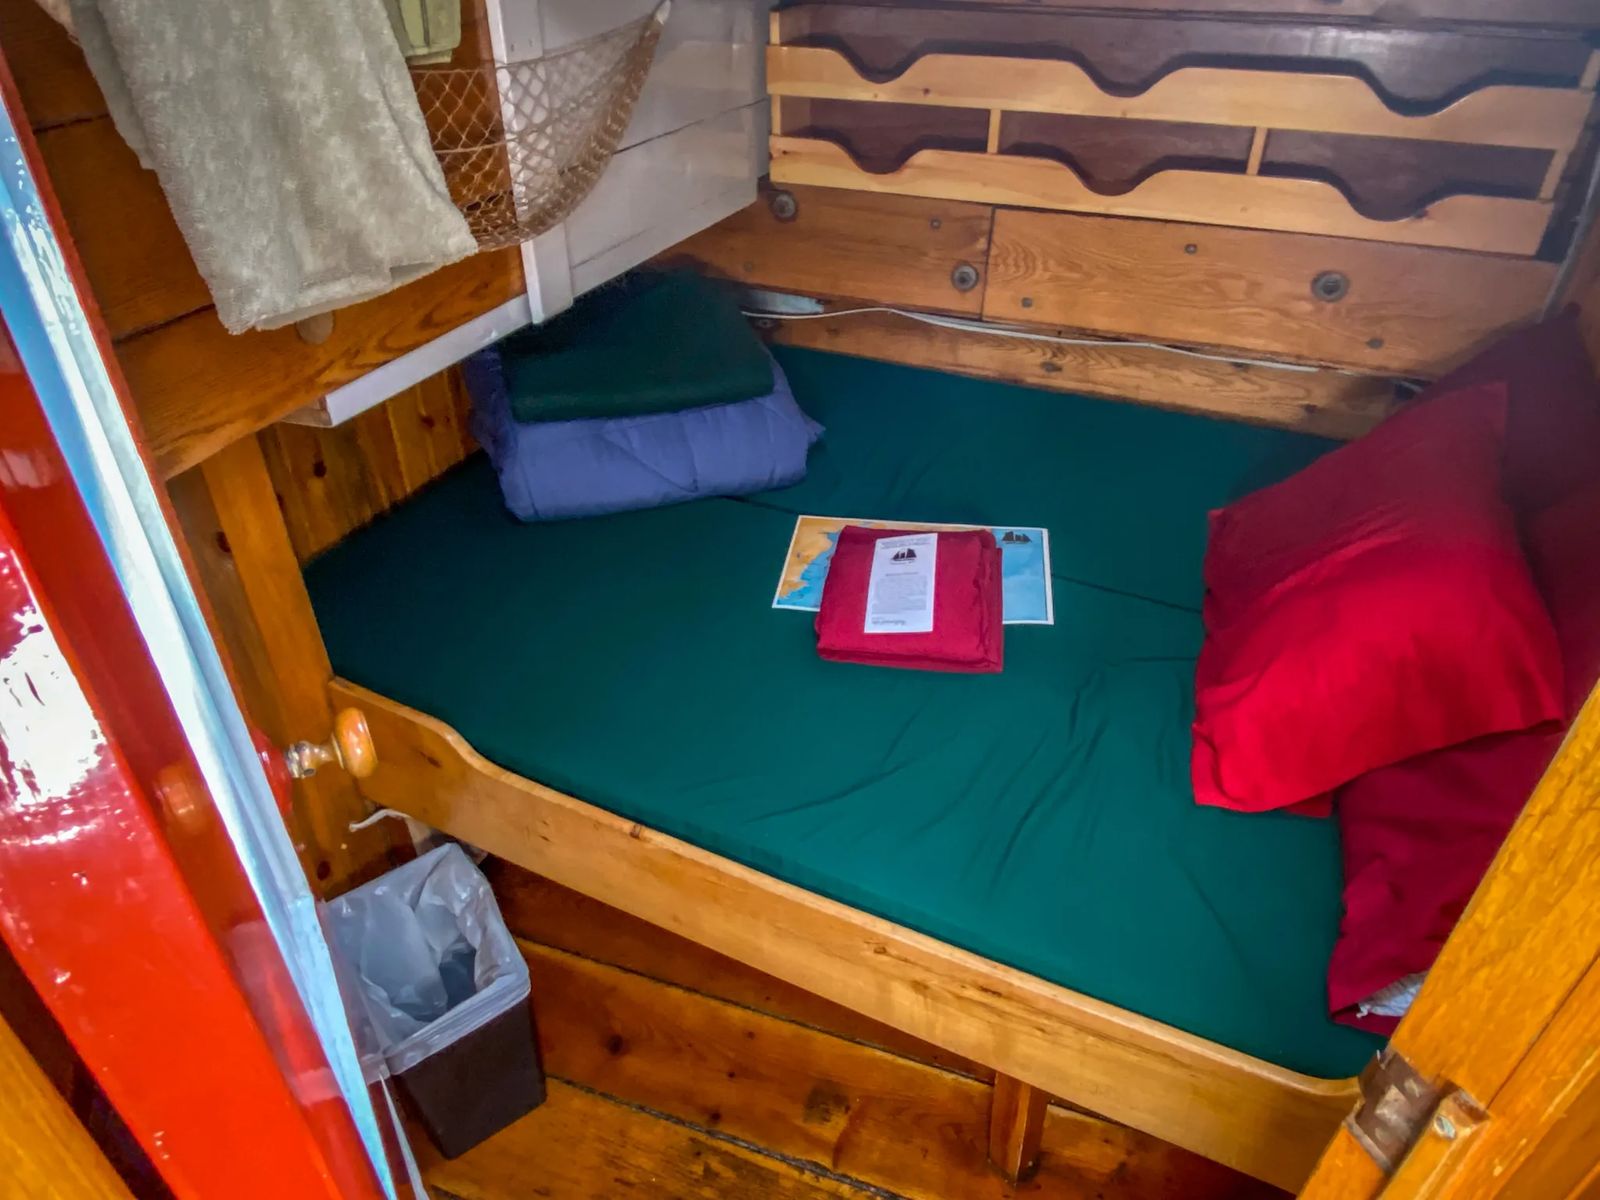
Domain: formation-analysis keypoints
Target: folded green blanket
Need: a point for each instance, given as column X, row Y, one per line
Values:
column 658, row 345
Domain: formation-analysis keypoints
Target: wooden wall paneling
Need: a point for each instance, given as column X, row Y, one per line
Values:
column 428, row 435
column 912, row 1130
column 379, row 454
column 198, row 388
column 229, row 512
column 325, row 481
column 136, row 260
column 52, row 78
column 1408, row 309
column 45, row 1152
column 461, row 400
column 897, row 250
column 1488, row 223
column 1240, row 1111
column 1329, row 403
column 1129, row 51
column 1518, row 970
column 330, row 482
column 537, row 910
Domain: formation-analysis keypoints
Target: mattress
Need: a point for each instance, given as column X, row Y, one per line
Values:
column 1041, row 817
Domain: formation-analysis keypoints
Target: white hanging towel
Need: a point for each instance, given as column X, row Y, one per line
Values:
column 288, row 139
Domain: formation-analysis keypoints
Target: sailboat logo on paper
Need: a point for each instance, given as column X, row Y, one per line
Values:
column 906, row 555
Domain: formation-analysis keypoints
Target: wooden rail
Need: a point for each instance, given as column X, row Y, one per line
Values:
column 1532, row 117
column 1507, row 211
column 1252, row 1115
column 1489, row 223
column 1545, row 13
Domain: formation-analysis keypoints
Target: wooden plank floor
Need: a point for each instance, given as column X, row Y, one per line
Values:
column 580, row 1145
column 679, row 1073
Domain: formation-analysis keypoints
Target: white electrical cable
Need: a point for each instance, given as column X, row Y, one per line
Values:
column 1032, row 335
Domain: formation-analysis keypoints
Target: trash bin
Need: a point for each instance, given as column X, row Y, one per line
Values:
column 443, row 992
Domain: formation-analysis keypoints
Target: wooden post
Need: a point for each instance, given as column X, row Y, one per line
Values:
column 1016, row 1125
column 230, row 517
column 993, row 146
column 1553, row 174
column 1258, row 148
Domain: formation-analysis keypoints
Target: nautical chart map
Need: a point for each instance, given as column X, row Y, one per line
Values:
column 1024, row 565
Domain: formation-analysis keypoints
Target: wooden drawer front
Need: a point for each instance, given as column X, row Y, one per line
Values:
column 1385, row 135
column 887, row 249
column 1405, row 308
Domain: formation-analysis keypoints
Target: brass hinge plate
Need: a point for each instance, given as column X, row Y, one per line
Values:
column 1396, row 1102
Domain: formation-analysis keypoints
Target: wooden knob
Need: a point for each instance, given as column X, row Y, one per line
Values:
column 353, row 740
column 315, row 330
column 350, row 747
column 183, row 799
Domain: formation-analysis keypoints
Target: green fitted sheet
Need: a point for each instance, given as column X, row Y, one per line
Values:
column 1041, row 817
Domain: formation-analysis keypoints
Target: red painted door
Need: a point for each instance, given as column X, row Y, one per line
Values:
column 124, row 895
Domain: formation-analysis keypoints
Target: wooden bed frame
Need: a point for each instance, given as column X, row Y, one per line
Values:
column 1506, row 1026
column 1503, row 1032
column 1262, row 1119
column 1526, row 953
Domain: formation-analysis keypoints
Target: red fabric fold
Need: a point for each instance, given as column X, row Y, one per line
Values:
column 1418, row 836
column 967, row 632
column 1553, row 408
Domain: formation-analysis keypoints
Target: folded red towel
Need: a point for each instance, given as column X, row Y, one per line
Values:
column 933, row 603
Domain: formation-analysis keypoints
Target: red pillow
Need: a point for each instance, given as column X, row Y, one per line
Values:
column 1374, row 607
column 1418, row 836
column 967, row 633
column 1553, row 408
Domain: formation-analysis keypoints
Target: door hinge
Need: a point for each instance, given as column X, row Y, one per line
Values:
column 1396, row 1102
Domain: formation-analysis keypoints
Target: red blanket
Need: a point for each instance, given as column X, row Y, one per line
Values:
column 887, row 622
column 1418, row 835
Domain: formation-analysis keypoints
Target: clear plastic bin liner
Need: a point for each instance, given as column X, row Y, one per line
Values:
column 426, row 957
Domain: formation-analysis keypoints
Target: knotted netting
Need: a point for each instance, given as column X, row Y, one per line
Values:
column 522, row 143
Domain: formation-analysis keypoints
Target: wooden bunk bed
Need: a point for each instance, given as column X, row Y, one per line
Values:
column 1501, row 1032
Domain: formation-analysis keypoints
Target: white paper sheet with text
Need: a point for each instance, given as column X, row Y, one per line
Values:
column 900, row 585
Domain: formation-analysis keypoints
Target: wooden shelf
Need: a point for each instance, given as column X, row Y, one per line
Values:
column 1487, row 223
column 1294, row 139
column 1534, row 117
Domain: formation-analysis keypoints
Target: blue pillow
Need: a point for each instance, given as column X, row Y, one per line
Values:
column 553, row 470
